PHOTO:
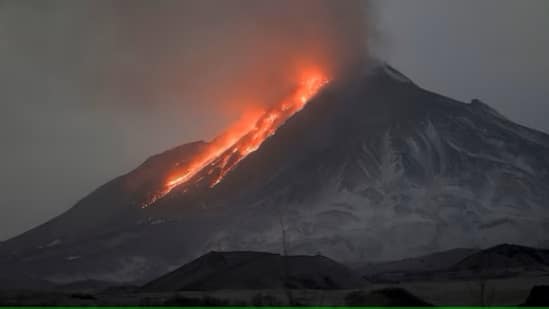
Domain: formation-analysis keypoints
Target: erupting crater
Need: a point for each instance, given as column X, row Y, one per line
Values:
column 228, row 149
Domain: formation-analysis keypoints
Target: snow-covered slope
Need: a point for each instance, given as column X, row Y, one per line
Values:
column 373, row 168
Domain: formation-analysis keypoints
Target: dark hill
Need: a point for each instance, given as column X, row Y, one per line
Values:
column 505, row 257
column 254, row 270
column 504, row 260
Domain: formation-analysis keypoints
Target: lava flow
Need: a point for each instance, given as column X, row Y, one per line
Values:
column 223, row 154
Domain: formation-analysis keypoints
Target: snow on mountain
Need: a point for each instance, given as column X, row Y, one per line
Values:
column 373, row 168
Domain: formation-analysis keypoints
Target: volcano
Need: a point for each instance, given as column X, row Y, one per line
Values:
column 373, row 167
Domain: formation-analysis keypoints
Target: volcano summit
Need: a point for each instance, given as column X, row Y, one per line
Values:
column 373, row 167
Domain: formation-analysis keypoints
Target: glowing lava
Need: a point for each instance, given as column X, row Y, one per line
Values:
column 246, row 136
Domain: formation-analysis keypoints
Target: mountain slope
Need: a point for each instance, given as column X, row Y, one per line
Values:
column 372, row 168
column 499, row 261
column 438, row 261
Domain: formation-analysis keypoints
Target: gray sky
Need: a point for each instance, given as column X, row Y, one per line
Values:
column 495, row 50
column 74, row 116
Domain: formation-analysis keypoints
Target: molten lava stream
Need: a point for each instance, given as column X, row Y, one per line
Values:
column 225, row 152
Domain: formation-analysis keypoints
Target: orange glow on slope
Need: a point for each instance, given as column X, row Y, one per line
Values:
column 215, row 148
column 246, row 136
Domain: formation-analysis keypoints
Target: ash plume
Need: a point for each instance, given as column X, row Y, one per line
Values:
column 228, row 55
column 217, row 56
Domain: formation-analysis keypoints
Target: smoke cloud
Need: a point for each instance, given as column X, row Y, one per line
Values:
column 214, row 58
column 226, row 55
